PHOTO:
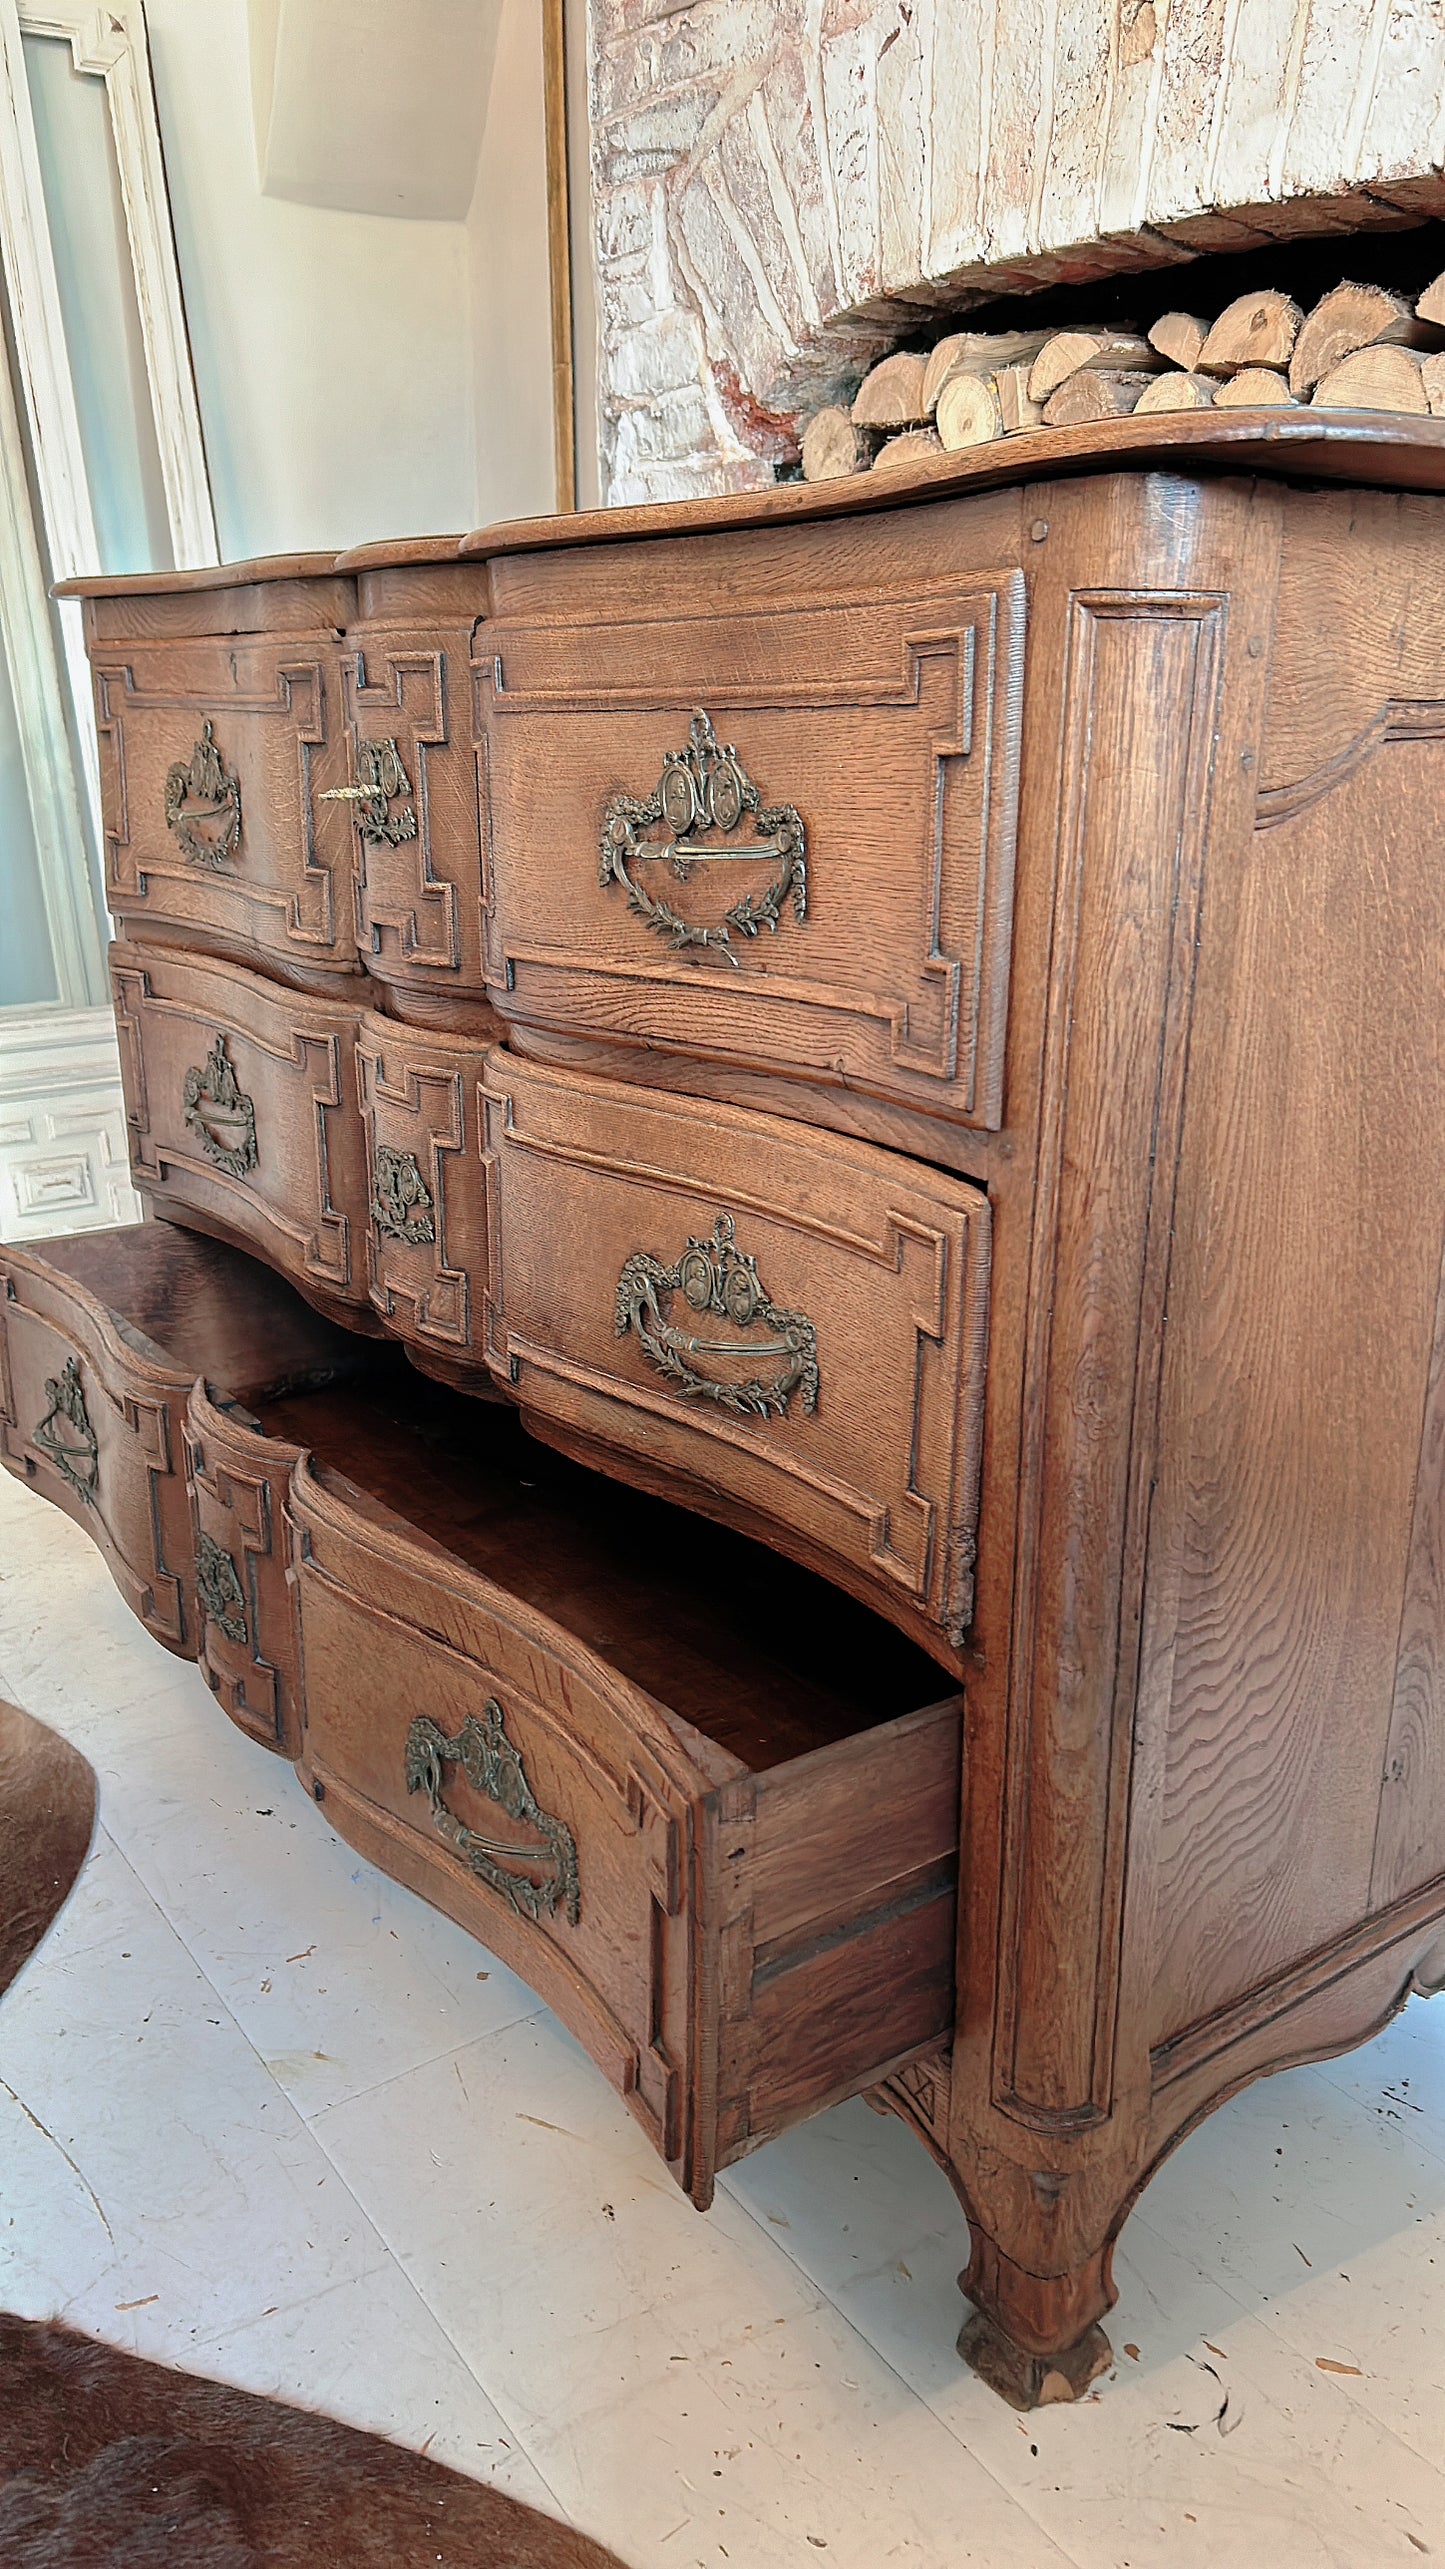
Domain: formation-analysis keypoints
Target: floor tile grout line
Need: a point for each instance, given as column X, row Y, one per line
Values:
column 917, row 2398
column 373, row 2087
column 292, row 2110
column 498, row 2402
column 1261, row 2313
column 387, row 2255
column 390, row 2259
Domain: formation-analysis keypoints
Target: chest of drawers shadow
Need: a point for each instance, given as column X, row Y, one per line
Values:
column 901, row 1023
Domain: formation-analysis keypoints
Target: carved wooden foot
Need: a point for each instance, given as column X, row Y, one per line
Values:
column 1035, row 2338
column 1032, row 2381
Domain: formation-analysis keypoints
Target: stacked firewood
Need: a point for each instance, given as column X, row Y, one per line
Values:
column 1362, row 347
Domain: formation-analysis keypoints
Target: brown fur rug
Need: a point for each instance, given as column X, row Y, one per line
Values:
column 47, row 1813
column 107, row 2462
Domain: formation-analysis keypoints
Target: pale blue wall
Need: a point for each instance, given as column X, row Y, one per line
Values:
column 27, row 974
column 98, row 308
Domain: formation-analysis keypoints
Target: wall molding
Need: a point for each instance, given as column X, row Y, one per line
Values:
column 111, row 44
column 52, row 685
column 64, row 1162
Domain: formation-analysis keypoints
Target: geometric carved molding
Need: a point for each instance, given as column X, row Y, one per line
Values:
column 63, row 1157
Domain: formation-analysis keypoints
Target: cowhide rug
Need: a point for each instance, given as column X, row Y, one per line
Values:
column 47, row 1814
column 107, row 2462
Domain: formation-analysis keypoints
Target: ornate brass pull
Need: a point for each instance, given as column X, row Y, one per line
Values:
column 490, row 1762
column 66, row 1435
column 715, row 1276
column 220, row 1114
column 381, row 776
column 401, row 1201
column 218, row 1585
column 204, row 790
column 705, row 788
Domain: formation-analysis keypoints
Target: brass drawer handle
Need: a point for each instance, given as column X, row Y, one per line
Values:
column 402, row 1205
column 220, row 1114
column 705, row 789
column 204, row 791
column 218, row 1585
column 381, row 776
column 715, row 1276
column 66, row 1435
column 490, row 1762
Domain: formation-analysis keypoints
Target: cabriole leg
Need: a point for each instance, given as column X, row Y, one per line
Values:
column 1035, row 2339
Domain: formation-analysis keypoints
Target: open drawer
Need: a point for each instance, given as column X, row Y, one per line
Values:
column 705, row 1804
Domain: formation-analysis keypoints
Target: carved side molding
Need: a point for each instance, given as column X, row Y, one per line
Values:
column 545, row 1876
column 716, row 1278
column 203, row 804
column 701, row 798
column 65, row 1434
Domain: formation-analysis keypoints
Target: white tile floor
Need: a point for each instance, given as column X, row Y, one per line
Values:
column 264, row 2115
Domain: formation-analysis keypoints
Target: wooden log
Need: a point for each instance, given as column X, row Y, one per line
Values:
column 1179, row 336
column 833, row 447
column 907, row 448
column 968, row 413
column 1016, row 406
column 892, row 395
column 1432, row 376
column 1255, row 330
column 977, row 352
column 1430, row 306
column 1072, row 352
column 1176, row 391
column 1255, row 388
column 1378, row 378
column 1350, row 317
column 1094, row 394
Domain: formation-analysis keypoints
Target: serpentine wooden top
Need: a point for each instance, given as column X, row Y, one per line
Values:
column 1375, row 448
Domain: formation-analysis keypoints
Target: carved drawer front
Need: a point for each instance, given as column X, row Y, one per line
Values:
column 785, row 1329
column 243, row 1114
column 779, row 837
column 427, row 1243
column 732, row 1950
column 413, row 814
column 91, row 1415
column 218, row 755
column 246, row 1616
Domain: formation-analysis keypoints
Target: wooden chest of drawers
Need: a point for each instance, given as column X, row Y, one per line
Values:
column 901, row 1021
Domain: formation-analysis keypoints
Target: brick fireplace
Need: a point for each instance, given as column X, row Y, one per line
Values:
column 784, row 188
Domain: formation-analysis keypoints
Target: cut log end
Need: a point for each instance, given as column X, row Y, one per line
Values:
column 977, row 352
column 892, row 395
column 1378, row 378
column 909, row 448
column 1254, row 330
column 1179, row 336
column 1071, row 352
column 1255, row 388
column 1089, row 396
column 1351, row 317
column 1176, row 392
column 834, row 448
column 968, row 413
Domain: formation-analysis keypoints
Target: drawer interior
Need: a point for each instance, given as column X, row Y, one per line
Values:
column 763, row 1657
